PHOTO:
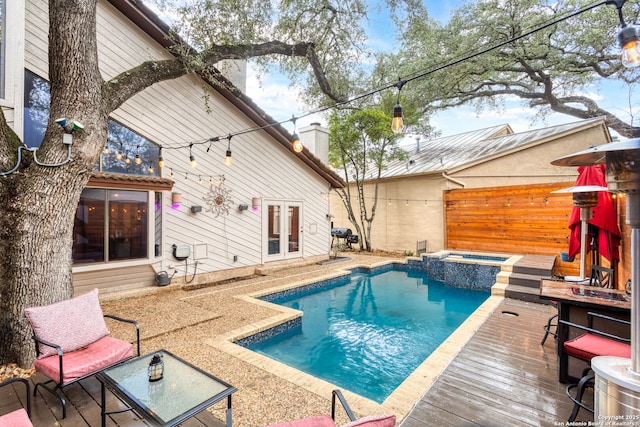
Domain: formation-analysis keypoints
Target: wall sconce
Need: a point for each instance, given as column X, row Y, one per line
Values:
column 176, row 200
column 243, row 207
column 255, row 203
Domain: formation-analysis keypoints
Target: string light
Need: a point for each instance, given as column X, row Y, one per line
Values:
column 628, row 38
column 295, row 138
column 138, row 159
column 192, row 159
column 397, row 123
column 398, row 116
column 227, row 158
column 160, row 159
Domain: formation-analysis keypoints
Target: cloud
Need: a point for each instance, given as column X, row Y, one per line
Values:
column 279, row 99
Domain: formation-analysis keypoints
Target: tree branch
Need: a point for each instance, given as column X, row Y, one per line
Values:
column 127, row 84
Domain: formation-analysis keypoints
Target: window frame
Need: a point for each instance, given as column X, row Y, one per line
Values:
column 152, row 234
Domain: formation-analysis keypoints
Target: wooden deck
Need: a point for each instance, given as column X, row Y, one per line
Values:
column 83, row 407
column 502, row 377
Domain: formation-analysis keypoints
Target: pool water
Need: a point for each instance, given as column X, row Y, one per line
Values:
column 369, row 333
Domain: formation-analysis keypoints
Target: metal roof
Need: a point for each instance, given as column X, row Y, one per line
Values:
column 458, row 151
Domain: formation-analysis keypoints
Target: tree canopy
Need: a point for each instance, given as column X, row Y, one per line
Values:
column 553, row 69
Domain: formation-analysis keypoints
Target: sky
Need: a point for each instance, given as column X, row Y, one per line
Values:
column 274, row 95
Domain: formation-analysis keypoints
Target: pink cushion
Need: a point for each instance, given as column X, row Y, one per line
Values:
column 71, row 324
column 587, row 346
column 320, row 421
column 17, row 418
column 96, row 356
column 374, row 421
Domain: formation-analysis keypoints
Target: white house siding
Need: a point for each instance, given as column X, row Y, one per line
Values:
column 173, row 114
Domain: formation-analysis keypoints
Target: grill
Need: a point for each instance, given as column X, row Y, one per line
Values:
column 344, row 233
column 341, row 233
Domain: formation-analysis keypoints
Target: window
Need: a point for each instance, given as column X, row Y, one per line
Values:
column 125, row 151
column 111, row 225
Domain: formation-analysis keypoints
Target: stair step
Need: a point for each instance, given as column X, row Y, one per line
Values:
column 524, row 293
column 527, row 280
column 541, row 265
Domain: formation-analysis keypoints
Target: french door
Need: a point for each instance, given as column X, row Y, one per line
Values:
column 282, row 229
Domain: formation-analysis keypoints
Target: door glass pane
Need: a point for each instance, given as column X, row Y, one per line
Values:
column 274, row 229
column 128, row 235
column 294, row 228
column 88, row 228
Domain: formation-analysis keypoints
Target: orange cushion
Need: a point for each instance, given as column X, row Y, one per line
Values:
column 17, row 418
column 587, row 346
column 319, row 421
column 94, row 357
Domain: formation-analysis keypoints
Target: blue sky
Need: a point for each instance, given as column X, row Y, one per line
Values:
column 274, row 95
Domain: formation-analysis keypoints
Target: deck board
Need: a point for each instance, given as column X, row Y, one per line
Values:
column 83, row 407
column 503, row 376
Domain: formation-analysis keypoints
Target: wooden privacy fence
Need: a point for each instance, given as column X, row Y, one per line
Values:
column 523, row 219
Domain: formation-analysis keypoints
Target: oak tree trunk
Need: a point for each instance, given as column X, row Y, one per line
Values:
column 39, row 202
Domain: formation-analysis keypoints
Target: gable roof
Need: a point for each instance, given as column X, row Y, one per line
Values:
column 452, row 153
column 157, row 29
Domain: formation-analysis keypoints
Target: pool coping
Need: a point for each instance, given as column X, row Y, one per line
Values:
column 403, row 398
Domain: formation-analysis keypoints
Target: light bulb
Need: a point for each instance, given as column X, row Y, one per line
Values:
column 631, row 54
column 227, row 159
column 106, row 150
column 138, row 160
column 160, row 162
column 127, row 160
column 297, row 145
column 397, row 124
column 192, row 160
column 119, row 155
column 628, row 40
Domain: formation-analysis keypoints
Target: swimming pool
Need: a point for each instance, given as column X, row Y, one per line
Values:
column 368, row 331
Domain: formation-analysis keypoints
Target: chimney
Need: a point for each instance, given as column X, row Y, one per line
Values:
column 316, row 138
column 235, row 70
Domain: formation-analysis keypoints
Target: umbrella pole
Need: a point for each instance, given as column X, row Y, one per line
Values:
column 585, row 216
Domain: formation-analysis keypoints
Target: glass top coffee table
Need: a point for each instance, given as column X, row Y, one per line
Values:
column 183, row 392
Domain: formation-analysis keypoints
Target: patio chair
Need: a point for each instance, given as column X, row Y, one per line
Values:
column 329, row 421
column 601, row 276
column 73, row 342
column 585, row 347
column 20, row 417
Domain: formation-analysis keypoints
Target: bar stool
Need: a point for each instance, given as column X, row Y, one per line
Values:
column 585, row 347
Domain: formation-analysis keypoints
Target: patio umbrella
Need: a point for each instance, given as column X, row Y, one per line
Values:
column 606, row 234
